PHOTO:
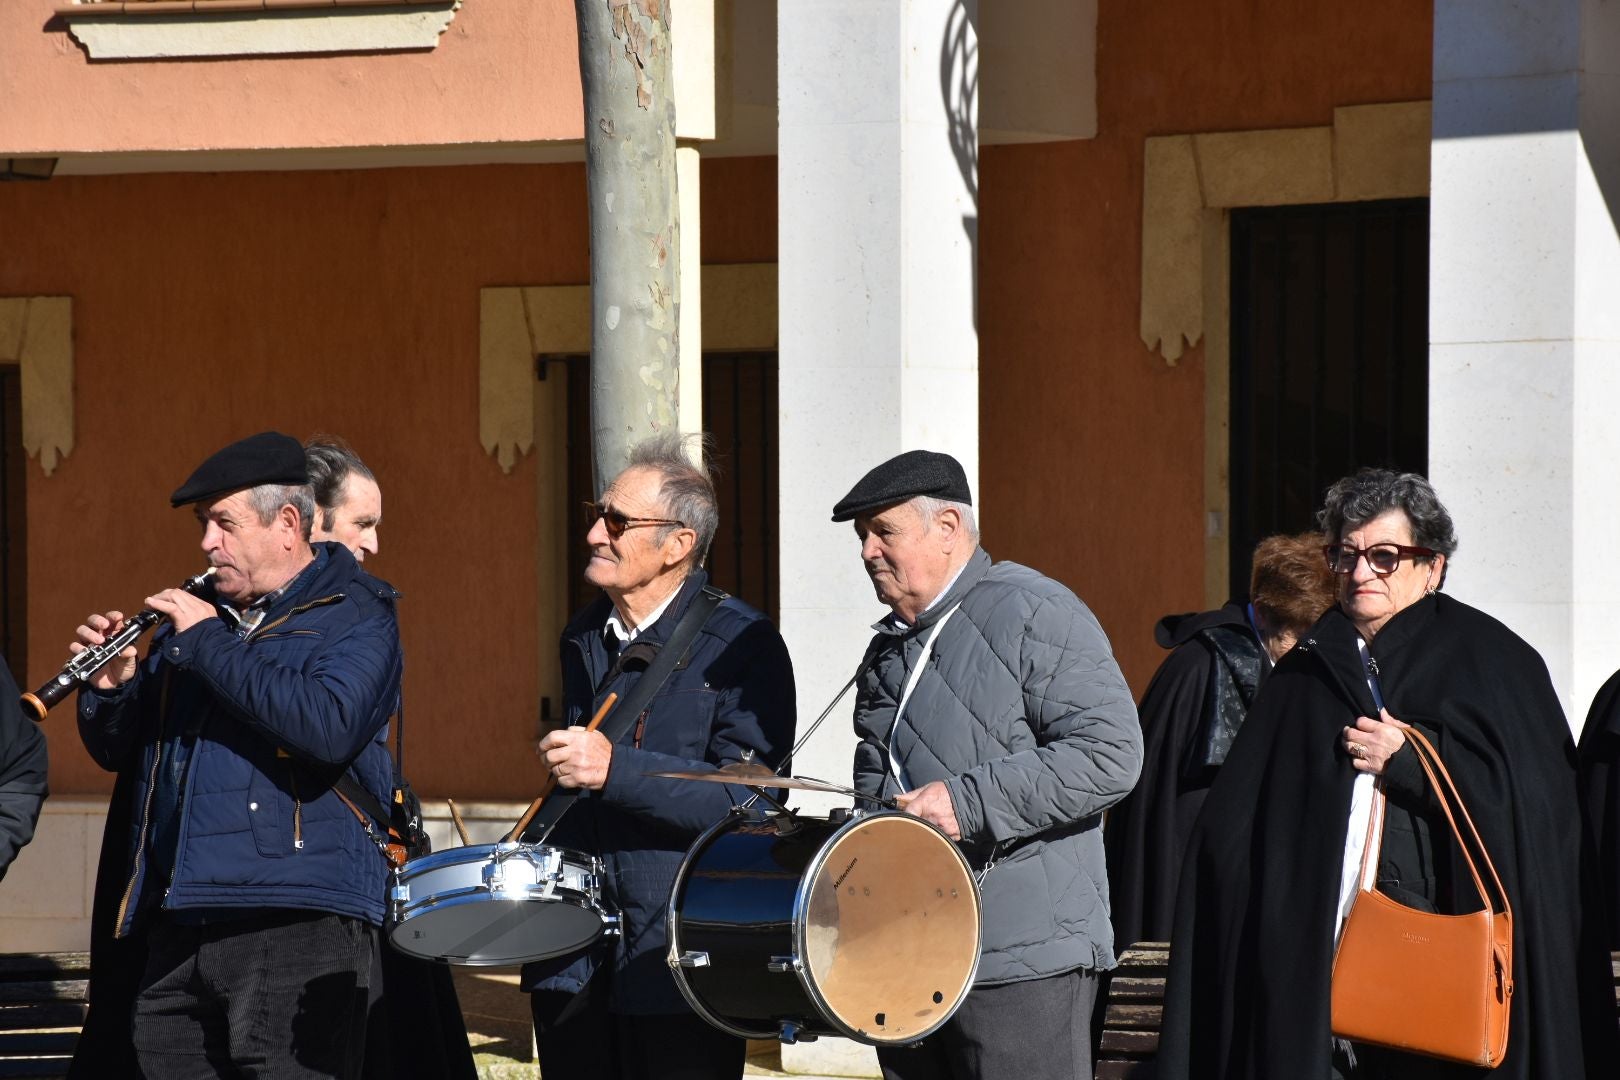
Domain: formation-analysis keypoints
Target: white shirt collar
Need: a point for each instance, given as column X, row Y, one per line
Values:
column 615, row 625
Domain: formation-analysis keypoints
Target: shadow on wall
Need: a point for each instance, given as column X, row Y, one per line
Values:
column 959, row 86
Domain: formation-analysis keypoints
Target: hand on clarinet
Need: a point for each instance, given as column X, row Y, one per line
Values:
column 95, row 630
column 181, row 608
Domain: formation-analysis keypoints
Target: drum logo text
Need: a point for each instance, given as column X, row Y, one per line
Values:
column 839, row 880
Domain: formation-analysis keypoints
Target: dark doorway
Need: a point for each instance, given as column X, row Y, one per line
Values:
column 1329, row 357
column 739, row 413
column 13, row 528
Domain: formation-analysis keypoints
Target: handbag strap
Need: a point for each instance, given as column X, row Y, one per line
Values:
column 1448, row 794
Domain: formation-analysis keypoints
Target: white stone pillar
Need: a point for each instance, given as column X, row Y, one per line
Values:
column 689, row 407
column 879, row 349
column 1524, row 321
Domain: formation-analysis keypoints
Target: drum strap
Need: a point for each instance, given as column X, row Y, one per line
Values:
column 895, row 767
column 634, row 701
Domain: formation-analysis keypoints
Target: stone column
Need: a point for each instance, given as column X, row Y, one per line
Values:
column 879, row 348
column 1524, row 321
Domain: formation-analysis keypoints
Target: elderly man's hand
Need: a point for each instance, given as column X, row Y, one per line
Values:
column 577, row 758
column 95, row 630
column 932, row 803
column 183, row 609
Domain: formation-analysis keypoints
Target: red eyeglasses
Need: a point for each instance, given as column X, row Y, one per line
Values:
column 1384, row 559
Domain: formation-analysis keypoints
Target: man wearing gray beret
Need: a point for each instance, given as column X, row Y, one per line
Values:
column 991, row 706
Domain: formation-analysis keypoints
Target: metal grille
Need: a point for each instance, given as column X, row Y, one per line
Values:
column 13, row 527
column 739, row 412
column 1329, row 357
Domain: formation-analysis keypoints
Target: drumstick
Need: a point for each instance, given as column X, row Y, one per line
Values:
column 551, row 778
column 455, row 816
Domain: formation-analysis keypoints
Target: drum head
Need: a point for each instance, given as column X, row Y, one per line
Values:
column 480, row 932
column 890, row 937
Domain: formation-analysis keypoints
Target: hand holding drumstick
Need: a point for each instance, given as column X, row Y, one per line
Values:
column 575, row 758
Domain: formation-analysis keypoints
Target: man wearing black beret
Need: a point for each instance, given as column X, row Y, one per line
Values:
column 257, row 888
column 991, row 706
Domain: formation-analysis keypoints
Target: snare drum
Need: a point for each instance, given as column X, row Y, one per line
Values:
column 491, row 904
column 865, row 926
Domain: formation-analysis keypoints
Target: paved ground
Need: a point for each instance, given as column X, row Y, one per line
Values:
column 502, row 1037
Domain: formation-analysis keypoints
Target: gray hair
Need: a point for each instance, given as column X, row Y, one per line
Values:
column 928, row 506
column 268, row 499
column 1355, row 500
column 685, row 492
column 330, row 462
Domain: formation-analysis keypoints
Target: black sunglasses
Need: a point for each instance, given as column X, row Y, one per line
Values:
column 617, row 523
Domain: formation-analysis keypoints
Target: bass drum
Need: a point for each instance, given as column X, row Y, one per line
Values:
column 865, row 926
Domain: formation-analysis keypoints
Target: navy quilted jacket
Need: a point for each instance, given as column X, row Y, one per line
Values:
column 275, row 718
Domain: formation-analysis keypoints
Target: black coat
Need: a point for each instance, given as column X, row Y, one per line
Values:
column 732, row 692
column 23, row 769
column 1199, row 695
column 1600, row 783
column 1252, row 950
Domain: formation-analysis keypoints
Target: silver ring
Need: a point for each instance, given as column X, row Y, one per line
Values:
column 1357, row 750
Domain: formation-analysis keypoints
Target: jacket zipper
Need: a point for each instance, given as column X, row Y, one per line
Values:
column 267, row 627
column 146, row 816
column 292, row 775
column 298, row 810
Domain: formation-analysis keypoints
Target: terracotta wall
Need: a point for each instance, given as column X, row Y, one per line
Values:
column 207, row 307
column 1092, row 448
column 505, row 71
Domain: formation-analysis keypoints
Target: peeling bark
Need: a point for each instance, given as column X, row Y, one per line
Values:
column 626, row 74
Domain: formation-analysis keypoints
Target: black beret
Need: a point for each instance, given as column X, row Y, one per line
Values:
column 913, row 473
column 266, row 458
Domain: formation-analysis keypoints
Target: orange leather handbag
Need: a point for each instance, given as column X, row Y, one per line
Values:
column 1439, row 985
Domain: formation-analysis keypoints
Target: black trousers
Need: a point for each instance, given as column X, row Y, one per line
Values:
column 581, row 1040
column 281, row 995
column 1035, row 1030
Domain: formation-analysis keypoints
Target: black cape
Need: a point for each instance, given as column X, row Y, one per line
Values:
column 1600, row 783
column 23, row 769
column 1252, row 949
column 1208, row 681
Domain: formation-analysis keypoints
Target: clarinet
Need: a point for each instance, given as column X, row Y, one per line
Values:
column 92, row 659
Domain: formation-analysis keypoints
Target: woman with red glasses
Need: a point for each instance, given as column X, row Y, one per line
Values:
column 1274, row 861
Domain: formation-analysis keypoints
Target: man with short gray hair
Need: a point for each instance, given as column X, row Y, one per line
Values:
column 990, row 705
column 616, row 1013
column 258, row 890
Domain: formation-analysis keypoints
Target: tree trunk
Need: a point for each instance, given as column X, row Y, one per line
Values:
column 625, row 70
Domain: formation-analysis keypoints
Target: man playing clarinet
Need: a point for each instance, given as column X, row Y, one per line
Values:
column 258, row 888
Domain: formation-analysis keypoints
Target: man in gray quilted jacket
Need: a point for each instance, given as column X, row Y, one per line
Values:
column 990, row 705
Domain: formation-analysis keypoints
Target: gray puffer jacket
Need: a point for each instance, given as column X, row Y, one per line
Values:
column 1026, row 718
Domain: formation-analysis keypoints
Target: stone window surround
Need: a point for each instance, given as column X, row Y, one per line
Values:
column 36, row 334
column 1189, row 184
column 178, row 29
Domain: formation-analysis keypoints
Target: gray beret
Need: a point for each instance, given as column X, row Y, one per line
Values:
column 266, row 458
column 913, row 473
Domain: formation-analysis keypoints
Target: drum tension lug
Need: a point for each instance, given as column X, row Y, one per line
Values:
column 780, row 964
column 790, row 1033
column 692, row 959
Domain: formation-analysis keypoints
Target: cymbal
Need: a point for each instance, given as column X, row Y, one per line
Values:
column 752, row 775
